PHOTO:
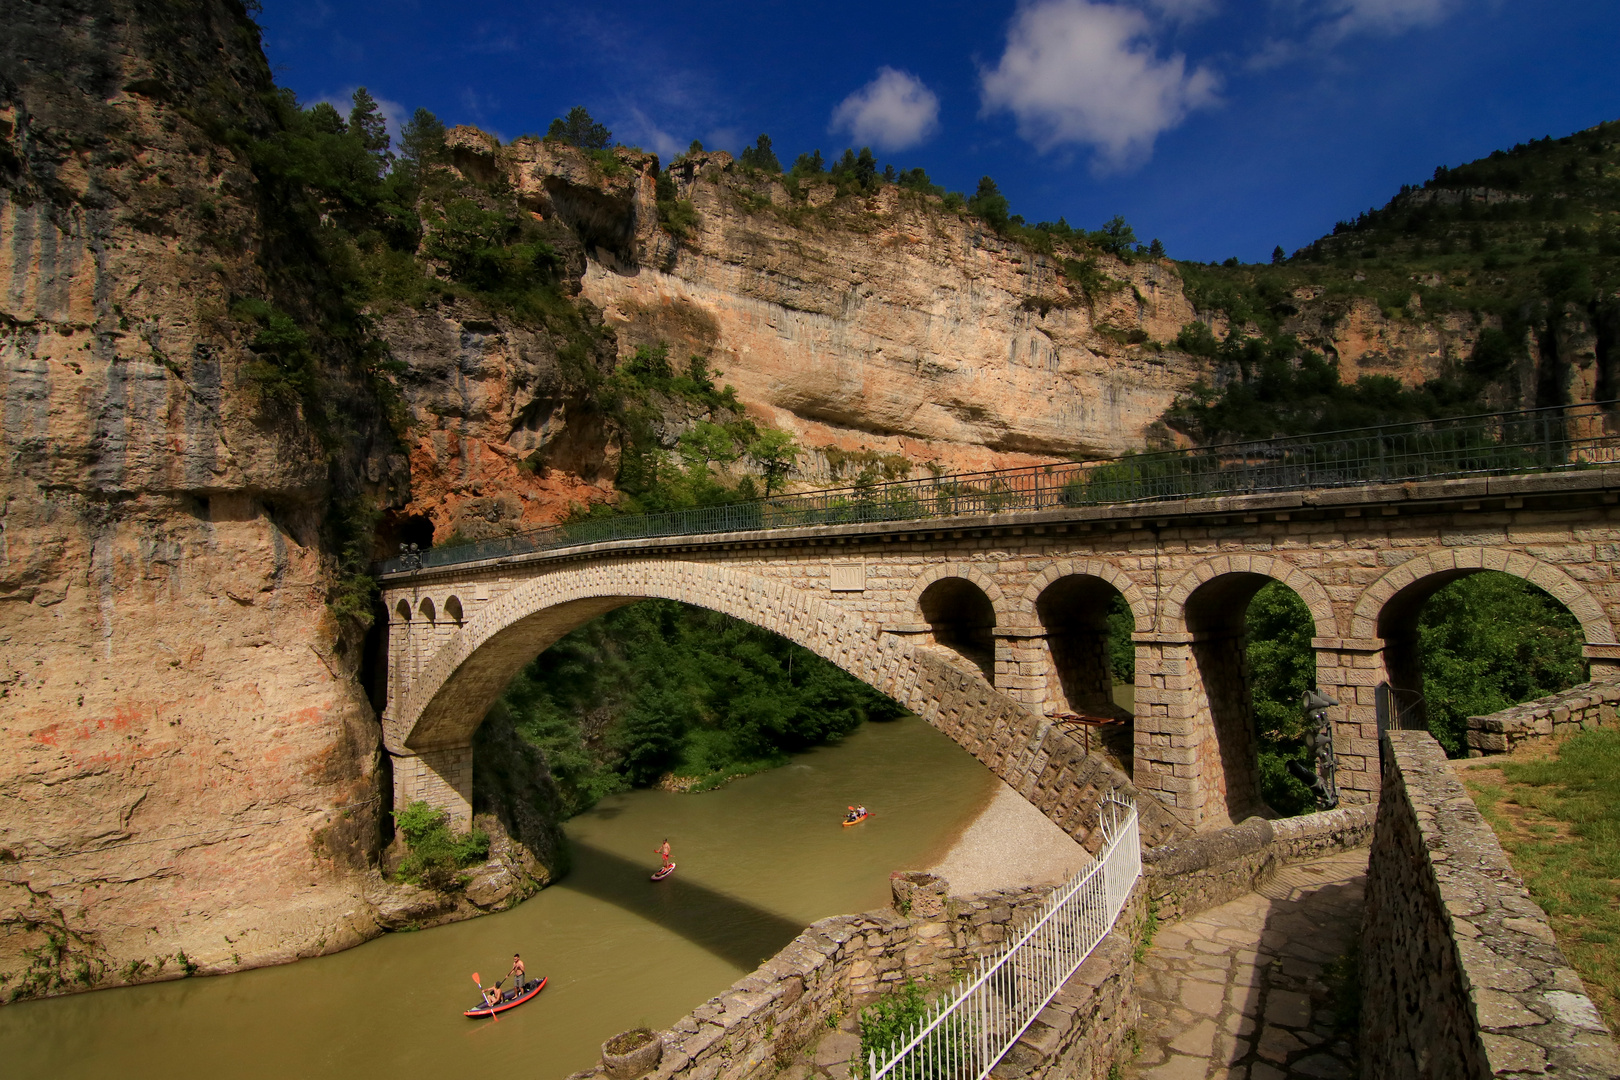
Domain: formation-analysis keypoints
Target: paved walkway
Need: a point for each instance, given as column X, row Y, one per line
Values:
column 1240, row 991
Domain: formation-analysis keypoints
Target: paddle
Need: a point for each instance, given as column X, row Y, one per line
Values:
column 487, row 1005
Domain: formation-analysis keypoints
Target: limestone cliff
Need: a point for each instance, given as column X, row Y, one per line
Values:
column 190, row 772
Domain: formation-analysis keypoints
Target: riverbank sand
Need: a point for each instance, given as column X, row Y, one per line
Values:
column 1009, row 845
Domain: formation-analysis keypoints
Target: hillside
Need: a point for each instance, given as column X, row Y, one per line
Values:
column 1491, row 285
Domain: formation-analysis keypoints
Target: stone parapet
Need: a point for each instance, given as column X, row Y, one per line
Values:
column 1580, row 708
column 1460, row 973
column 765, row 1019
column 1209, row 869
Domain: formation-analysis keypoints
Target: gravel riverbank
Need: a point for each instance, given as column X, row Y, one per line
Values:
column 1009, row 845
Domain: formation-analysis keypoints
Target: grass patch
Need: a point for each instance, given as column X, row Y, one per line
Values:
column 1558, row 818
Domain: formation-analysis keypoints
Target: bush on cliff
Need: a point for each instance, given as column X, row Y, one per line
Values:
column 436, row 856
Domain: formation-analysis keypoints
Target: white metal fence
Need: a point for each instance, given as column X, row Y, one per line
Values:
column 966, row 1032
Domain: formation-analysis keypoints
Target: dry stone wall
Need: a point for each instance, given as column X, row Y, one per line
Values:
column 764, row 1020
column 1461, row 976
column 1205, row 871
column 1580, row 708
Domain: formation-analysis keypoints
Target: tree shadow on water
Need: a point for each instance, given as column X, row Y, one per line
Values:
column 731, row 929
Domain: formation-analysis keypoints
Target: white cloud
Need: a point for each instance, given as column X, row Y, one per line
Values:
column 894, row 111
column 643, row 132
column 1082, row 73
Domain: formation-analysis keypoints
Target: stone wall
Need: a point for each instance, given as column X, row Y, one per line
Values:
column 1207, row 870
column 764, row 1020
column 1460, row 974
column 1580, row 708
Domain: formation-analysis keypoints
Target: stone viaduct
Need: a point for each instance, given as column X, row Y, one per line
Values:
column 988, row 625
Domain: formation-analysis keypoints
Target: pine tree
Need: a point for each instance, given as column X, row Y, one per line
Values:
column 760, row 156
column 367, row 121
column 422, row 138
column 579, row 129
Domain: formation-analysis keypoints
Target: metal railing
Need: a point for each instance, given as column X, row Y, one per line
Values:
column 1534, row 440
column 967, row 1031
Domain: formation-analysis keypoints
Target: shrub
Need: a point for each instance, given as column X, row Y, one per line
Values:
column 436, row 855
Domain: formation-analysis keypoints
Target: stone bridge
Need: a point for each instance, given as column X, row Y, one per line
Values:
column 987, row 626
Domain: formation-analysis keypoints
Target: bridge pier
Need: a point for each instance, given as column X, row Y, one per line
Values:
column 442, row 777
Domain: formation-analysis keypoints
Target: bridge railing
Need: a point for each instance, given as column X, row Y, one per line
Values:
column 964, row 1034
column 1528, row 441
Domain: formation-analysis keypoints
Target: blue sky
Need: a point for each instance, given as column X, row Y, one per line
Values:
column 1221, row 127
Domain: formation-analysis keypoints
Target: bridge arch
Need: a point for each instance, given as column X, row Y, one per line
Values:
column 1389, row 608
column 1402, row 583
column 430, row 725
column 1173, row 616
column 963, row 608
column 1067, row 607
column 1204, row 630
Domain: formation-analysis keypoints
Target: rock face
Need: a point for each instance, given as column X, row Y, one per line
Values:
column 890, row 324
column 188, row 767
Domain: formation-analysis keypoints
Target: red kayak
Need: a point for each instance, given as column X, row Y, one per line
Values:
column 663, row 872
column 512, row 1000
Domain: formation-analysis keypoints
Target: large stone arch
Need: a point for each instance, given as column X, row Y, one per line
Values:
column 434, row 720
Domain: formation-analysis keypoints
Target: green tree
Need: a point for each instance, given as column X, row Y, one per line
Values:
column 989, row 205
column 1115, row 237
column 367, row 123
column 1282, row 666
column 774, row 453
column 421, row 139
column 1278, row 255
column 579, row 129
column 760, row 156
column 1489, row 641
column 1156, row 249
column 808, row 164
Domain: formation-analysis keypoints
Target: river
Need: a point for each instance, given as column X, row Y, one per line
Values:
column 758, row 860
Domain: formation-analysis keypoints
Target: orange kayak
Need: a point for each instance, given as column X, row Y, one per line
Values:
column 856, row 821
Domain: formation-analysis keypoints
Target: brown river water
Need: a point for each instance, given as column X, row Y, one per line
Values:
column 758, row 860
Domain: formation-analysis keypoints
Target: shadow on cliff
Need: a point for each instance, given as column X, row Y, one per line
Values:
column 731, row 929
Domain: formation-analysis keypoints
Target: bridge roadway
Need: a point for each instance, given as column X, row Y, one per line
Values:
column 988, row 625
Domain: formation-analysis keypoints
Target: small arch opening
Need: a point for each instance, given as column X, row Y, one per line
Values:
column 452, row 609
column 963, row 619
column 1252, row 645
column 428, row 611
column 1088, row 626
column 403, row 610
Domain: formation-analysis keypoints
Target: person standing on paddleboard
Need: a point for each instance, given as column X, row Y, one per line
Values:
column 662, row 851
column 517, row 973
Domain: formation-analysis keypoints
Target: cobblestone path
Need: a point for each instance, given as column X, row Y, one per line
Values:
column 1240, row 991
